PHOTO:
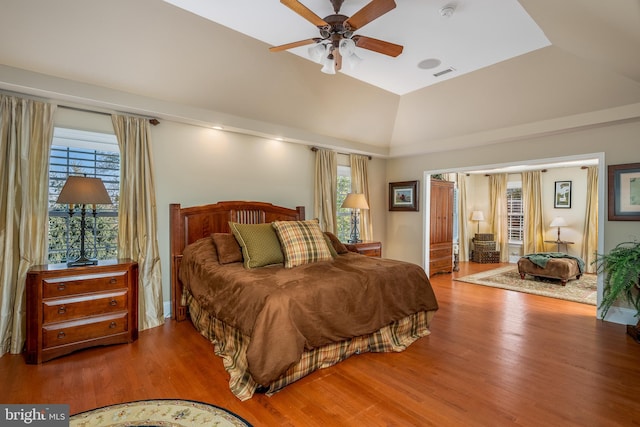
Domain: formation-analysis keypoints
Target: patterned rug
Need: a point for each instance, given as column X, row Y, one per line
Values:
column 160, row 413
column 583, row 290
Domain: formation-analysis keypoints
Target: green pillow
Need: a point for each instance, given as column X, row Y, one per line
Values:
column 259, row 243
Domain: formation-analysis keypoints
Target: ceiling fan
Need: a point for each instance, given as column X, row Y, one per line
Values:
column 337, row 41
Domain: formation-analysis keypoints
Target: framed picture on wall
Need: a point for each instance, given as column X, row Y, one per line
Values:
column 624, row 192
column 403, row 196
column 562, row 195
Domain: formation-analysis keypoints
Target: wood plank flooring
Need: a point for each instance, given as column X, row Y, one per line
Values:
column 494, row 358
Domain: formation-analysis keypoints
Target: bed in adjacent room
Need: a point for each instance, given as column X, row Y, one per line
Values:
column 280, row 299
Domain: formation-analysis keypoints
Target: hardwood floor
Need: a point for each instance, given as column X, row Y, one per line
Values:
column 494, row 358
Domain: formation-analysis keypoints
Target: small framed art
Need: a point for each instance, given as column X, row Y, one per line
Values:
column 403, row 196
column 562, row 195
column 624, row 192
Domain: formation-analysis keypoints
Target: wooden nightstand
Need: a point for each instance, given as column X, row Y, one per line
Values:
column 71, row 308
column 369, row 248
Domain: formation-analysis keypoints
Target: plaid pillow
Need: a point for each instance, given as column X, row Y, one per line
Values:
column 302, row 242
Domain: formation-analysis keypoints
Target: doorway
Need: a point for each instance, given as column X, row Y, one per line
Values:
column 515, row 167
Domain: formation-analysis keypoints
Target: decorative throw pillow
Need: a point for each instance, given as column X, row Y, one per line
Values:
column 339, row 247
column 302, row 242
column 227, row 247
column 259, row 243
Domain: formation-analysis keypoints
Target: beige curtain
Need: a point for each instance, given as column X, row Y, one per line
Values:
column 532, row 207
column 326, row 187
column 26, row 130
column 498, row 215
column 463, row 214
column 590, row 233
column 360, row 184
column 137, row 218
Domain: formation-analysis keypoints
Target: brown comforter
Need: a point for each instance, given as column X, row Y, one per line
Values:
column 286, row 311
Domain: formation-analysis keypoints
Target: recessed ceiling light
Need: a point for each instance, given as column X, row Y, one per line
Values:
column 430, row 63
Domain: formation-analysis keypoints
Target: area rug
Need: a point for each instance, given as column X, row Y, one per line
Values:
column 160, row 413
column 583, row 290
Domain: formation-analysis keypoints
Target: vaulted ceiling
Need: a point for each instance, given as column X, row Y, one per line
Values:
column 117, row 54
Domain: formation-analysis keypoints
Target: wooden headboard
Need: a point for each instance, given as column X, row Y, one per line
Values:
column 186, row 225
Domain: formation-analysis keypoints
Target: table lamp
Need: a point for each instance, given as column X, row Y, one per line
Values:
column 558, row 222
column 477, row 216
column 355, row 202
column 82, row 190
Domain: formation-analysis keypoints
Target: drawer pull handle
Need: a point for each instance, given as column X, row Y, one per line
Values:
column 112, row 325
column 62, row 309
column 113, row 303
column 61, row 335
column 113, row 280
column 62, row 287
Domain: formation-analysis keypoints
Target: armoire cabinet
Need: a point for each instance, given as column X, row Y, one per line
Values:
column 441, row 220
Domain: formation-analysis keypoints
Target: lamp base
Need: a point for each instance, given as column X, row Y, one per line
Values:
column 82, row 262
column 352, row 241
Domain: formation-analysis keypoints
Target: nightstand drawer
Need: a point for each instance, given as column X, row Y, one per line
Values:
column 58, row 310
column 82, row 330
column 74, row 285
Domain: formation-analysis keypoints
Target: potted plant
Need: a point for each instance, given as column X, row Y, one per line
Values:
column 621, row 267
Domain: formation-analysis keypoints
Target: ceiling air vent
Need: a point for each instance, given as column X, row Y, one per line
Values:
column 443, row 72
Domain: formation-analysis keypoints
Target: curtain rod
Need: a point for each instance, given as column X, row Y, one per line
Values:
column 152, row 120
column 314, row 149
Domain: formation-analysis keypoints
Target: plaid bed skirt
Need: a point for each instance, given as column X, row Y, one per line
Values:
column 231, row 346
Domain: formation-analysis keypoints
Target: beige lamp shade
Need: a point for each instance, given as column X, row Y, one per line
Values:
column 477, row 216
column 558, row 222
column 355, row 201
column 82, row 190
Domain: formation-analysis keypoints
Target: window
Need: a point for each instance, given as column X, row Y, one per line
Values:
column 75, row 152
column 343, row 220
column 515, row 213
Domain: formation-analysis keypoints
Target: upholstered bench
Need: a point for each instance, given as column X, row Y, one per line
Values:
column 561, row 269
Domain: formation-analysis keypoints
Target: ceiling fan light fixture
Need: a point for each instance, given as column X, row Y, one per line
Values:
column 352, row 61
column 329, row 65
column 316, row 53
column 347, row 47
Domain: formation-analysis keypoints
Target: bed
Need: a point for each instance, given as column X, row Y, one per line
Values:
column 275, row 323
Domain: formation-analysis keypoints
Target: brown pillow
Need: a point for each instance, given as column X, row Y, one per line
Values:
column 337, row 244
column 228, row 248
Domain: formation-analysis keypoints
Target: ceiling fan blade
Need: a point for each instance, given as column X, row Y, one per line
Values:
column 373, row 10
column 292, row 45
column 379, row 46
column 305, row 12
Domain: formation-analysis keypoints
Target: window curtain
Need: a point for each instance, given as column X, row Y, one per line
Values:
column 360, row 184
column 137, row 218
column 532, row 207
column 590, row 233
column 498, row 216
column 326, row 187
column 26, row 131
column 463, row 214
